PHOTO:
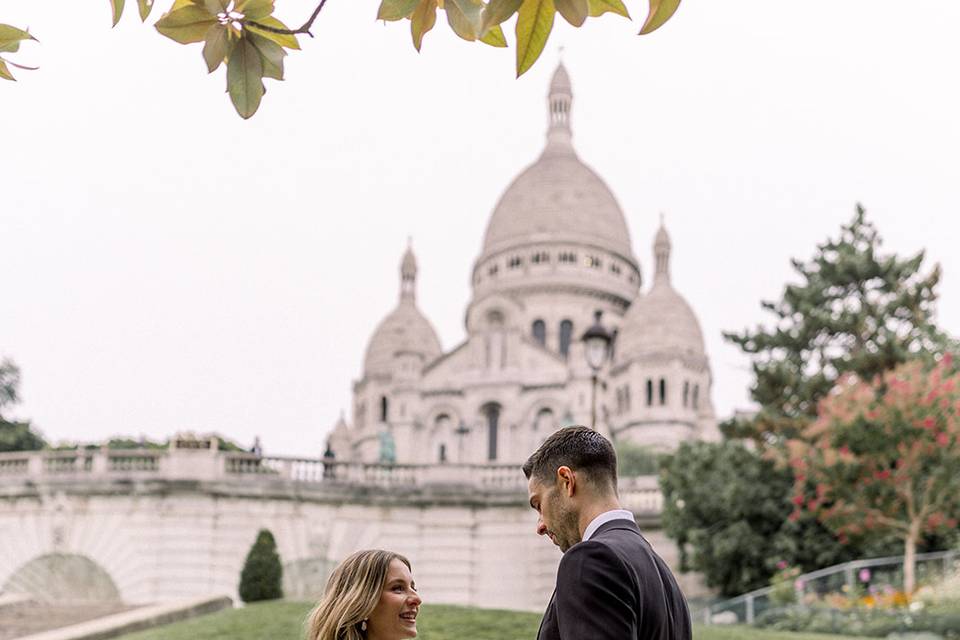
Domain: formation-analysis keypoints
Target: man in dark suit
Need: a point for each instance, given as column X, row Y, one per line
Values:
column 610, row 584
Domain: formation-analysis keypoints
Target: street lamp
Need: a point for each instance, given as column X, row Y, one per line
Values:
column 596, row 348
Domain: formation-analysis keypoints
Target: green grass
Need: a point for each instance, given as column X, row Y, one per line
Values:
column 284, row 621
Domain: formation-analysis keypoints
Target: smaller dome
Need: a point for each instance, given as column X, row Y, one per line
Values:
column 661, row 321
column 404, row 330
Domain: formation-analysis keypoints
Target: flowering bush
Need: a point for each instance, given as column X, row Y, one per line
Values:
column 784, row 584
column 883, row 457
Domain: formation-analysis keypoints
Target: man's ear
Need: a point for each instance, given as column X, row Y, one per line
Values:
column 567, row 480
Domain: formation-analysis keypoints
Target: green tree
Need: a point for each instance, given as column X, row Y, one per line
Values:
column 728, row 509
column 855, row 310
column 262, row 574
column 634, row 460
column 245, row 35
column 883, row 457
column 14, row 436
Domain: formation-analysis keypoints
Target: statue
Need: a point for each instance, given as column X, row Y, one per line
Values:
column 388, row 448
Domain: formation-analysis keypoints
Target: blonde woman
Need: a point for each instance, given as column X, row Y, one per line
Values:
column 370, row 596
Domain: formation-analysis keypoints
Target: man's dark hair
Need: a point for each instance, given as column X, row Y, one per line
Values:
column 581, row 449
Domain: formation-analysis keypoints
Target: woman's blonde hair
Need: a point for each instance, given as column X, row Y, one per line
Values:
column 352, row 594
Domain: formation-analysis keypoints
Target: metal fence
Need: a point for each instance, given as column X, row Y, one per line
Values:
column 858, row 573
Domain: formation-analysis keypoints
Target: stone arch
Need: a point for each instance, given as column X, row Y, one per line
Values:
column 63, row 577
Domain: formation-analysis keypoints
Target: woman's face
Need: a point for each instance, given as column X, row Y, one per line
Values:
column 395, row 615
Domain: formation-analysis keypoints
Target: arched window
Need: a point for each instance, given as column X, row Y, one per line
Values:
column 686, row 392
column 496, row 340
column 626, row 397
column 383, row 409
column 663, row 391
column 566, row 333
column 539, row 331
column 544, row 422
column 441, row 424
column 442, row 454
column 696, row 396
column 492, row 414
column 649, row 392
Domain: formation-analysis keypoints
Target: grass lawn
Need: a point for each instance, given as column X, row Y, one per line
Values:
column 284, row 621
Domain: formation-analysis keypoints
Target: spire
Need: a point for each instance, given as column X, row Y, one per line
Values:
column 408, row 274
column 661, row 253
column 559, row 100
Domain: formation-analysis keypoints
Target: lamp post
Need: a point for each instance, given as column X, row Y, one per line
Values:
column 596, row 348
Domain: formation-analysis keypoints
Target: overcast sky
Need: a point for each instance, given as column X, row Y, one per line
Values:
column 169, row 266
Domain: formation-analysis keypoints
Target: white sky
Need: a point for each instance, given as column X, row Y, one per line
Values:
column 169, row 266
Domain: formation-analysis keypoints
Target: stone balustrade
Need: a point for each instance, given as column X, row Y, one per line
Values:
column 640, row 494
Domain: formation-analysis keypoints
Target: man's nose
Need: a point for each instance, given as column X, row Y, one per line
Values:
column 541, row 528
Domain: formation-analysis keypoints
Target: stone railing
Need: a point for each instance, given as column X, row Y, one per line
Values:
column 640, row 494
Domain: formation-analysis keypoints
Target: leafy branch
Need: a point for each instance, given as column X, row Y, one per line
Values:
column 304, row 29
column 245, row 35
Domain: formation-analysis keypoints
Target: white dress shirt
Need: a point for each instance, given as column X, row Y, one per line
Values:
column 605, row 517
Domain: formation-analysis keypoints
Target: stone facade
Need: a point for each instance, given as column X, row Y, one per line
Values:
column 153, row 526
column 556, row 251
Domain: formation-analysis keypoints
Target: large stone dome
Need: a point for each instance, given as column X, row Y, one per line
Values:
column 662, row 321
column 405, row 330
column 558, row 197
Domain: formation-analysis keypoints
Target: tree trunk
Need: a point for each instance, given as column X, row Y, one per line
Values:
column 910, row 562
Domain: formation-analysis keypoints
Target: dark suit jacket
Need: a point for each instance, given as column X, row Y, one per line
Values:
column 614, row 587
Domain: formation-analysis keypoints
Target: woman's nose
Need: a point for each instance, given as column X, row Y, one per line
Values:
column 415, row 599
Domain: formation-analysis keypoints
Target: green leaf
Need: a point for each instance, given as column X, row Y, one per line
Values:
column 215, row 7
column 283, row 39
column 244, row 78
column 422, row 20
column 117, row 6
column 186, row 25
column 5, row 72
column 534, row 22
column 464, row 17
column 660, row 12
column 10, row 38
column 497, row 12
column 146, row 6
column 255, row 9
column 600, row 7
column 12, row 34
column 494, row 37
column 271, row 56
column 573, row 11
column 217, row 46
column 396, row 9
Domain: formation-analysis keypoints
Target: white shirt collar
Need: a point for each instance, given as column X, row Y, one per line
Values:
column 603, row 518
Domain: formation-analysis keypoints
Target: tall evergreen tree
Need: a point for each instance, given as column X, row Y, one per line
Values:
column 14, row 436
column 855, row 310
column 262, row 574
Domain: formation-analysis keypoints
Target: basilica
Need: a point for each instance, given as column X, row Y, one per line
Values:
column 556, row 258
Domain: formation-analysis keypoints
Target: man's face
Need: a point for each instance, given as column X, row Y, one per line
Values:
column 556, row 517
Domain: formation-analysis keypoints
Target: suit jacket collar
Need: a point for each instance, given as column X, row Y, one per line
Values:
column 616, row 524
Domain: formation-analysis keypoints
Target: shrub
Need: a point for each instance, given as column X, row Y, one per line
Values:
column 262, row 574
